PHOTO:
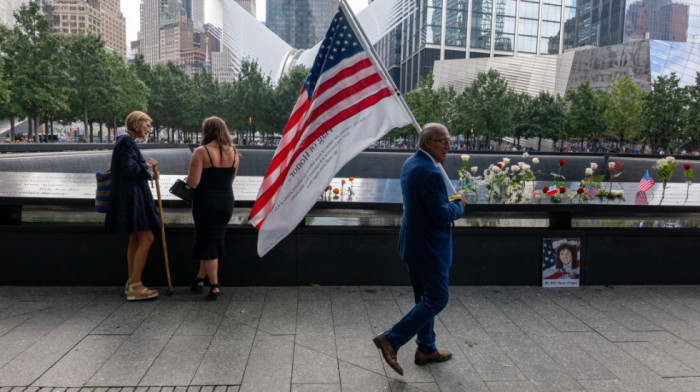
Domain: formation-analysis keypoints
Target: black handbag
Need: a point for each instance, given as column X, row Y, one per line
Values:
column 182, row 190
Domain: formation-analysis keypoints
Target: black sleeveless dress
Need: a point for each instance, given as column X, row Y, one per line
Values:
column 212, row 208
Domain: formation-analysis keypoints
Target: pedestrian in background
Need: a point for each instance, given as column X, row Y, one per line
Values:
column 131, row 208
column 213, row 168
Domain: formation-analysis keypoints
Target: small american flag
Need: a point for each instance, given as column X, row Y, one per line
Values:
column 548, row 256
column 646, row 182
column 641, row 199
column 536, row 191
column 592, row 191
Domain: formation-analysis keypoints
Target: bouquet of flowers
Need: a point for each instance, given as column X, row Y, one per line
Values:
column 467, row 176
column 591, row 185
column 664, row 167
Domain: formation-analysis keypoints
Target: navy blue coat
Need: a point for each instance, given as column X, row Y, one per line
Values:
column 425, row 240
column 131, row 206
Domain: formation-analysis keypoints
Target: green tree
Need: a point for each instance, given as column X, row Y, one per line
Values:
column 487, row 104
column 39, row 86
column 253, row 99
column 124, row 92
column 547, row 115
column 286, row 94
column 662, row 111
column 623, row 109
column 522, row 125
column 584, row 117
column 426, row 104
column 9, row 107
column 88, row 74
column 691, row 116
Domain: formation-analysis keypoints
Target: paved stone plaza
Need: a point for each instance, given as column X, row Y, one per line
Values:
column 641, row 338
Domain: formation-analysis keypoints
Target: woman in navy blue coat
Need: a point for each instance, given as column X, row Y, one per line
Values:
column 131, row 207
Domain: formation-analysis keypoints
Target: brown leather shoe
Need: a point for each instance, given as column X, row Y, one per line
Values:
column 388, row 352
column 422, row 358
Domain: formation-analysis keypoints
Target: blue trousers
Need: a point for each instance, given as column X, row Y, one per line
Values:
column 431, row 292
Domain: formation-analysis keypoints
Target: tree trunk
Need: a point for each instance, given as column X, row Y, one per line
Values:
column 29, row 127
column 100, row 131
column 539, row 143
column 12, row 128
column 114, row 127
column 85, row 119
column 36, row 130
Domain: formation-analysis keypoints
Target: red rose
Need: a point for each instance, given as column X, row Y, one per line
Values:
column 499, row 165
column 579, row 190
column 562, row 189
column 545, row 189
column 686, row 166
column 562, row 162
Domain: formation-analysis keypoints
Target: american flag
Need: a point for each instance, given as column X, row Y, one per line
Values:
column 536, row 191
column 343, row 107
column 645, row 183
column 591, row 191
column 548, row 256
column 641, row 199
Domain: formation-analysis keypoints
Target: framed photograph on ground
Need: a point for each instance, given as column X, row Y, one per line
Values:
column 561, row 262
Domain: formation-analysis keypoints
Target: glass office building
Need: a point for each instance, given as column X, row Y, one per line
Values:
column 471, row 29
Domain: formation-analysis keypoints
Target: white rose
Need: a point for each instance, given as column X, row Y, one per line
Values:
column 611, row 165
column 589, row 171
column 535, row 161
column 515, row 168
column 521, row 164
column 495, row 169
column 670, row 159
column 506, row 161
column 594, row 166
column 474, row 169
column 525, row 155
column 465, row 157
column 526, row 167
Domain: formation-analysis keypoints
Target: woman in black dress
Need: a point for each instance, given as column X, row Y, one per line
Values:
column 131, row 208
column 212, row 170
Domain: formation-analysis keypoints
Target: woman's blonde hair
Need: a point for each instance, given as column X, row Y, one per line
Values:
column 134, row 119
column 215, row 129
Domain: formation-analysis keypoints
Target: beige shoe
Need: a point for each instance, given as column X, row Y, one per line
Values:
column 140, row 294
column 126, row 287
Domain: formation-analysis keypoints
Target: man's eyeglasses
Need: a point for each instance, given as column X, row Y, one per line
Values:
column 445, row 142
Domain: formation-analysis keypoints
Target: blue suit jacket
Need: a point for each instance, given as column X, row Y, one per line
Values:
column 425, row 239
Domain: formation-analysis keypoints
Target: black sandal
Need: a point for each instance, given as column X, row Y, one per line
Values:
column 196, row 287
column 214, row 295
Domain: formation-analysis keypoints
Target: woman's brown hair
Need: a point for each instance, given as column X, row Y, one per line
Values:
column 215, row 129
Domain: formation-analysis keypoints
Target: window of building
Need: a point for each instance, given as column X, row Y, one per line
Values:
column 529, row 10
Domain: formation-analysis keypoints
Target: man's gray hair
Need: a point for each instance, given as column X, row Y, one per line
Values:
column 428, row 132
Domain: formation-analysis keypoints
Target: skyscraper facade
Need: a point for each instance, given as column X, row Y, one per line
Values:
column 300, row 23
column 672, row 20
column 101, row 17
column 465, row 29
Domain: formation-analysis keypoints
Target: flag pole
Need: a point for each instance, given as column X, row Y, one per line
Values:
column 364, row 41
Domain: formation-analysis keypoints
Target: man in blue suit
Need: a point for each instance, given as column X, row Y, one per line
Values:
column 425, row 244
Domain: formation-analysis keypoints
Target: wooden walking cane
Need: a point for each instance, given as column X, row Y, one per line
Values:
column 162, row 229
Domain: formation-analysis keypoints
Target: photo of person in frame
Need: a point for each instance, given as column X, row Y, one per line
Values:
column 561, row 262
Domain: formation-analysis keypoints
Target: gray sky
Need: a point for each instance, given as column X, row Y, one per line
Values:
column 130, row 9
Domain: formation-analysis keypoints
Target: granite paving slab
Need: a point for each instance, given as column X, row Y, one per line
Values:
column 313, row 338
